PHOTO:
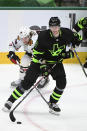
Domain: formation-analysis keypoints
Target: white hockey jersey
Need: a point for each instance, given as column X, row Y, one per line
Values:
column 17, row 43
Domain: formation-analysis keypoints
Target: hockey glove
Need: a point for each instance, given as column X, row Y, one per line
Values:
column 68, row 54
column 78, row 38
column 14, row 58
column 44, row 70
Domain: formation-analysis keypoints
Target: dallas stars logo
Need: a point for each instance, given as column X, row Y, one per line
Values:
column 56, row 50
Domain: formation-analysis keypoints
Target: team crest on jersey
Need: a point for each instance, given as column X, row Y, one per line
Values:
column 56, row 49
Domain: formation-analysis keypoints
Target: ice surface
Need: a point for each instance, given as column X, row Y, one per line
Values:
column 34, row 112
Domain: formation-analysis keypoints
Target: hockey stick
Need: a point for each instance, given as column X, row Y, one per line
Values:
column 42, row 96
column 11, row 115
column 80, row 62
column 41, row 93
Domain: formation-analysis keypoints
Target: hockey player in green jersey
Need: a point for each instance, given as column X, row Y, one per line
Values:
column 80, row 25
column 50, row 48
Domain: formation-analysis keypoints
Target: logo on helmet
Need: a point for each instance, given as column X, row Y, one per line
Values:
column 54, row 21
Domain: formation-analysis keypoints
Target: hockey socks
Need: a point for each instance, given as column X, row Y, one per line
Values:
column 55, row 96
column 17, row 93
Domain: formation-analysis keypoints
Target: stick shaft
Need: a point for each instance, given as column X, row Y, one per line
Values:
column 42, row 96
column 80, row 62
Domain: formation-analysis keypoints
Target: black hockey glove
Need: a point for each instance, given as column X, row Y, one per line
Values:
column 68, row 54
column 77, row 39
column 44, row 70
column 14, row 58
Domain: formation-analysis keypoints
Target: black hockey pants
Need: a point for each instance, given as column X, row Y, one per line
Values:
column 33, row 72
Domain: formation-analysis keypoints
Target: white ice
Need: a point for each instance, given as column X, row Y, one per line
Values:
column 34, row 112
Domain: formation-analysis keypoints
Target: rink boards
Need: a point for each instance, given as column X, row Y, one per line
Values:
column 9, row 28
column 5, row 60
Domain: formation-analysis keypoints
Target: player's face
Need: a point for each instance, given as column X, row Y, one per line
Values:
column 25, row 40
column 55, row 30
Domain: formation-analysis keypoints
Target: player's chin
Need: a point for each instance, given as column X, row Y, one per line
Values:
column 26, row 43
column 55, row 34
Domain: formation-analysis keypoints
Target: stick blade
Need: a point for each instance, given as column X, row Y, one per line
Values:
column 12, row 118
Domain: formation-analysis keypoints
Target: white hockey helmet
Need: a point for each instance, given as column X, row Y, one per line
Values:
column 24, row 32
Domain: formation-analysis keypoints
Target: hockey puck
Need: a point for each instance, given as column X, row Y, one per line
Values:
column 18, row 122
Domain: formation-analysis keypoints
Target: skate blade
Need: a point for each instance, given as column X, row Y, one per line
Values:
column 5, row 109
column 54, row 112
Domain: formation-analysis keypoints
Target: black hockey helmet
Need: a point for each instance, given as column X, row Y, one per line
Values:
column 54, row 21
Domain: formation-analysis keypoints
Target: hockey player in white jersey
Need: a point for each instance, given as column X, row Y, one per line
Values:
column 25, row 40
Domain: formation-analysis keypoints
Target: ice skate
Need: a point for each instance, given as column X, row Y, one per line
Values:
column 7, row 106
column 44, row 82
column 54, row 109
